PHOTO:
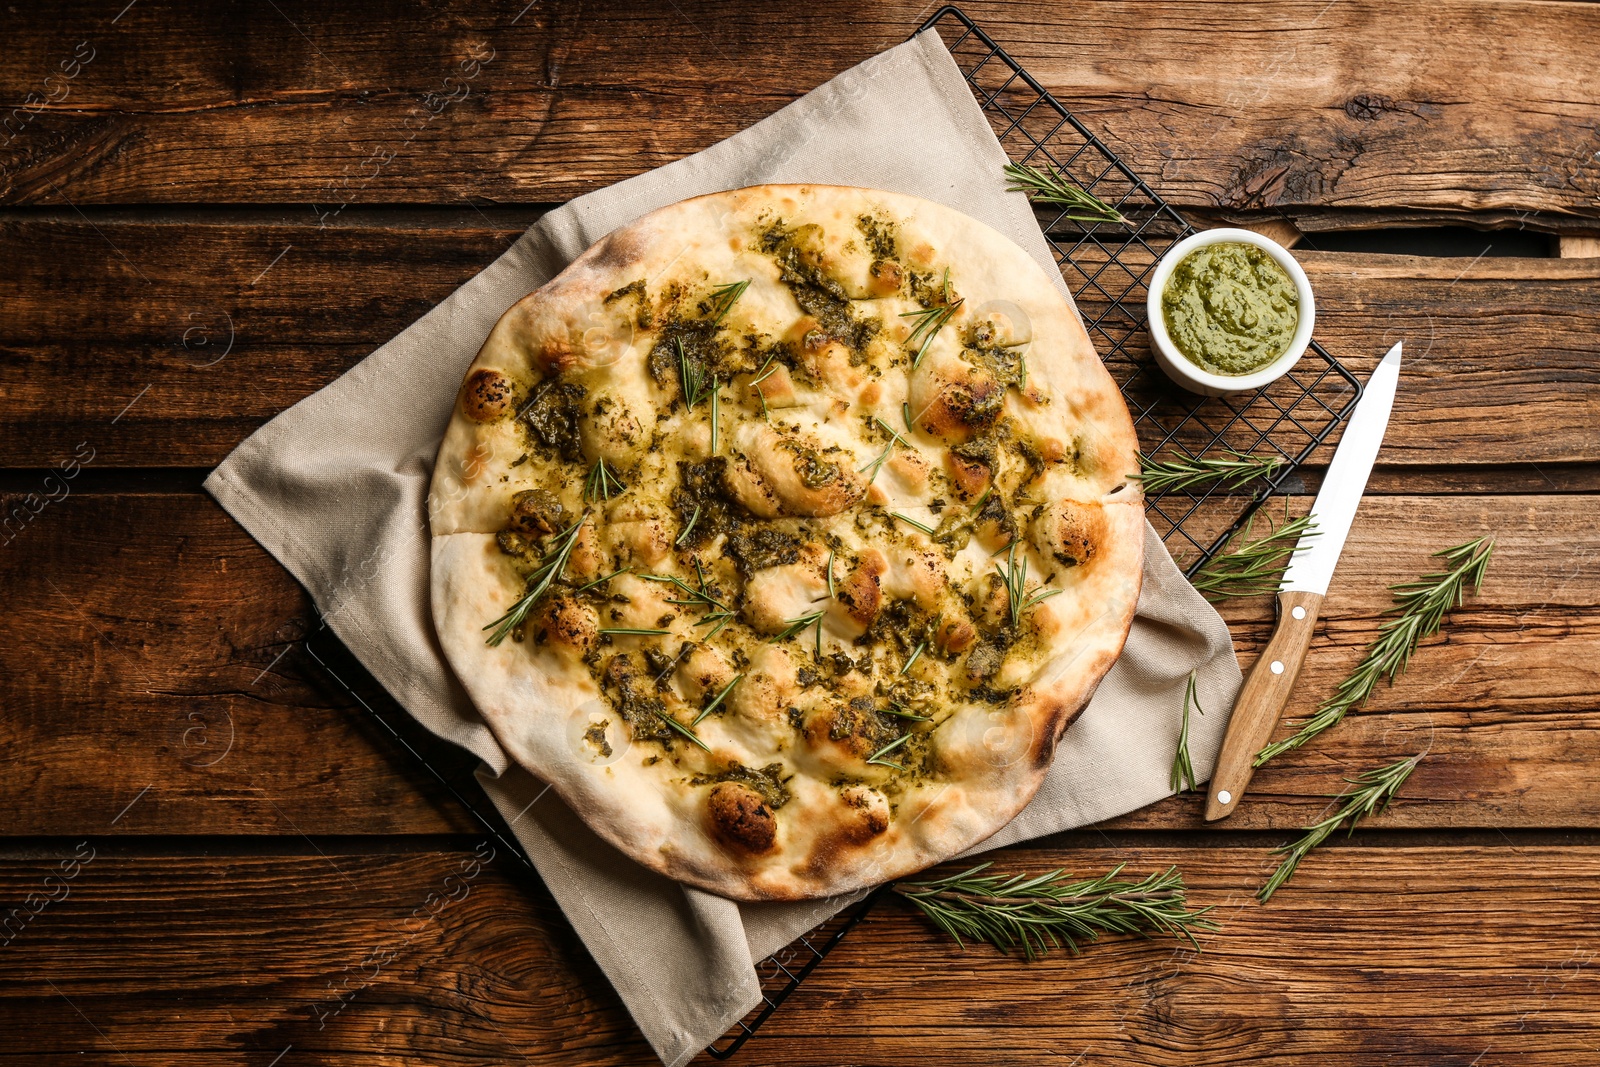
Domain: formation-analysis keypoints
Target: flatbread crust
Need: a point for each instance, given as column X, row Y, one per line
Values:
column 916, row 714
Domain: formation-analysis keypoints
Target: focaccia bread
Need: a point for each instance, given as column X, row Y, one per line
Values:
column 784, row 533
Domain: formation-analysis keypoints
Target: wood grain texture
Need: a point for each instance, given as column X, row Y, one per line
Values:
column 1357, row 105
column 161, row 956
column 155, row 652
column 228, row 320
column 135, row 669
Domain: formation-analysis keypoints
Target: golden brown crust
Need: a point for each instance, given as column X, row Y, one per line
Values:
column 806, row 585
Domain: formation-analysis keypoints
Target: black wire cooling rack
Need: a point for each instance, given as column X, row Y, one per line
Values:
column 1108, row 267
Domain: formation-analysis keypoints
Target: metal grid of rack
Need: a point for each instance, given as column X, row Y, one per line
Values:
column 1107, row 267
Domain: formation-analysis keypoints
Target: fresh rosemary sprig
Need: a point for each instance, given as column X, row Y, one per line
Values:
column 930, row 321
column 1182, row 768
column 1046, row 185
column 539, row 582
column 723, row 298
column 791, row 627
column 1184, row 470
column 601, row 484
column 709, row 708
column 690, row 377
column 1016, row 578
column 876, row 464
column 1041, row 912
column 877, row 758
column 1418, row 611
column 716, row 611
column 1373, row 791
column 909, row 521
column 1256, row 565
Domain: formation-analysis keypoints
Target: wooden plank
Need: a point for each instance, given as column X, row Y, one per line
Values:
column 1359, row 105
column 125, row 303
column 1579, row 247
column 158, row 956
column 156, row 661
column 178, row 643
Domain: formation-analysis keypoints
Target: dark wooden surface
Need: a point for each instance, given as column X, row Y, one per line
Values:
column 223, row 209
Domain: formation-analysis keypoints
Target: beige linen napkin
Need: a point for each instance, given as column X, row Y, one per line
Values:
column 336, row 488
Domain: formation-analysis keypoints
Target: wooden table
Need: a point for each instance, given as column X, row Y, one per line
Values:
column 215, row 853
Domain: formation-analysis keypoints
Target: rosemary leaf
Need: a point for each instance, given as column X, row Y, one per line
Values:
column 1373, row 791
column 901, row 713
column 877, row 757
column 723, row 298
column 539, row 582
column 601, row 484
column 1184, row 470
column 905, row 415
column 831, row 594
column 1046, row 185
column 690, row 377
column 914, row 657
column 1417, row 612
column 693, row 518
column 876, row 464
column 909, row 521
column 600, row 580
column 929, row 322
column 1257, row 564
column 716, row 611
column 792, row 627
column 682, row 729
column 709, row 708
column 1046, row 911
column 766, row 370
column 1182, row 768
column 716, row 412
column 1015, row 576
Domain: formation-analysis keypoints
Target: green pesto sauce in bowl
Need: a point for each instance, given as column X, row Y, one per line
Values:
column 1230, row 308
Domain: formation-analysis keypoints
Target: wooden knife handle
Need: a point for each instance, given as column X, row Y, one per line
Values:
column 1261, row 700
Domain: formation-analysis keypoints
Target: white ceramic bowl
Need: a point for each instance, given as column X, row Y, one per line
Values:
column 1192, row 377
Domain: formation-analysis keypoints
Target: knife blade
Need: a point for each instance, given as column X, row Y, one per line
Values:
column 1300, row 593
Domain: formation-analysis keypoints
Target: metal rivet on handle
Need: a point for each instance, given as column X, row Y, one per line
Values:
column 1277, row 668
column 1224, row 797
column 1298, row 613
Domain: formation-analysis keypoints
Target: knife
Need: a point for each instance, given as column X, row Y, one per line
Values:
column 1305, row 582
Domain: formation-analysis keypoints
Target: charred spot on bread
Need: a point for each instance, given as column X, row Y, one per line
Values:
column 487, row 395
column 1069, row 531
column 740, row 818
column 567, row 623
